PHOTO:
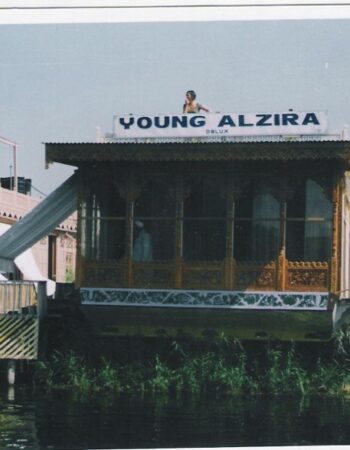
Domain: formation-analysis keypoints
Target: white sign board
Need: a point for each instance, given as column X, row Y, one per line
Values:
column 220, row 125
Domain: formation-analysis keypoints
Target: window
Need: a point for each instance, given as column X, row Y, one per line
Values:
column 195, row 220
column 257, row 222
column 154, row 219
column 309, row 221
column 103, row 222
column 204, row 230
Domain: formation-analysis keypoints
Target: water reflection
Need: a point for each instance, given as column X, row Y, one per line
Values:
column 32, row 419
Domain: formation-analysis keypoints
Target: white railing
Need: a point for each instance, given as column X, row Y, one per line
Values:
column 18, row 297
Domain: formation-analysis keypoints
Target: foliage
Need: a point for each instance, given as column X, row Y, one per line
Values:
column 284, row 373
column 217, row 368
column 161, row 376
column 69, row 275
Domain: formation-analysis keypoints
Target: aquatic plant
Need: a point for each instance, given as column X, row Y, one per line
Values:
column 108, row 376
column 219, row 368
column 162, row 376
column 283, row 373
column 230, row 379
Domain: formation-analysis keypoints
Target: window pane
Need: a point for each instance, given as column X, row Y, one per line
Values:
column 204, row 196
column 256, row 240
column 103, row 200
column 257, row 201
column 103, row 239
column 204, row 240
column 309, row 200
column 308, row 241
column 318, row 203
column 244, row 201
column 156, row 197
column 296, row 202
column 154, row 240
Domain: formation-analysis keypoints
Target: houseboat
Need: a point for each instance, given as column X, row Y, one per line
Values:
column 212, row 225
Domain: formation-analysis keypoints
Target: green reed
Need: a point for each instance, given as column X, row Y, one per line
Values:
column 201, row 368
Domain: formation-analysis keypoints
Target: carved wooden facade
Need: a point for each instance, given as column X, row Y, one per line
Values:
column 228, row 273
column 126, row 169
column 239, row 232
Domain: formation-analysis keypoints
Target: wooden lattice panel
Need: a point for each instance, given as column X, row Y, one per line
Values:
column 107, row 274
column 307, row 276
column 203, row 276
column 253, row 276
column 18, row 337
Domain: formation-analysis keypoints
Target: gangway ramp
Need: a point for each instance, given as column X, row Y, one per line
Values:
column 39, row 222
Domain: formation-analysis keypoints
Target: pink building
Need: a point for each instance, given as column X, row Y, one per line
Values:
column 55, row 253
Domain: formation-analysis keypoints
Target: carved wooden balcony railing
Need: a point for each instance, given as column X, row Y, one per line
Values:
column 152, row 275
column 307, row 276
column 203, row 275
column 251, row 275
column 296, row 276
column 104, row 273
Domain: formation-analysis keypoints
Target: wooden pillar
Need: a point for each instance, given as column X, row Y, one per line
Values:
column 336, row 236
column 42, row 305
column 178, row 232
column 229, row 262
column 130, row 196
column 79, row 259
column 281, row 261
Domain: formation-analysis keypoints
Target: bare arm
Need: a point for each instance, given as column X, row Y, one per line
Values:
column 202, row 107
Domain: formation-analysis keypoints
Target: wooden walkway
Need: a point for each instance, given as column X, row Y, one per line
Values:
column 21, row 310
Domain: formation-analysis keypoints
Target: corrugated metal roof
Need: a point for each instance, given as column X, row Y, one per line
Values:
column 77, row 154
column 211, row 140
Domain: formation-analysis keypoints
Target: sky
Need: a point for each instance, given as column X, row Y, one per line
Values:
column 59, row 82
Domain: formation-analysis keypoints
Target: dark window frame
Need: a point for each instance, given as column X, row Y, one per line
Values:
column 229, row 220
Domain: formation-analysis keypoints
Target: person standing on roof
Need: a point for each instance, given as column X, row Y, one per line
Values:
column 191, row 106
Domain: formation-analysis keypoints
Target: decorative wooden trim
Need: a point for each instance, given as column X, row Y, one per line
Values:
column 307, row 264
column 281, row 271
column 106, row 273
column 307, row 276
column 336, row 235
column 254, row 276
column 153, row 275
column 199, row 299
column 281, row 261
column 203, row 275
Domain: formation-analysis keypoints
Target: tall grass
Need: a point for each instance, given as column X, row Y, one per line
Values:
column 221, row 368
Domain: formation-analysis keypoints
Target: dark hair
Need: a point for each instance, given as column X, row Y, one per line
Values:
column 192, row 94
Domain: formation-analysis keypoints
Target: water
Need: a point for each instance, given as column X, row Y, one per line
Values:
column 33, row 419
